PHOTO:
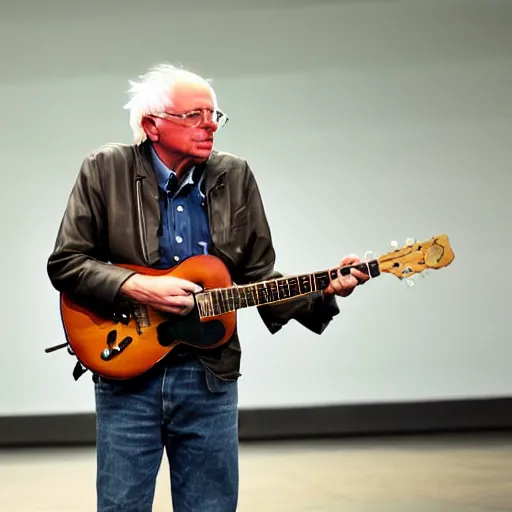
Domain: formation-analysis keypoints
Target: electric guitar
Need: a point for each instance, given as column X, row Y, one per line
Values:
column 134, row 337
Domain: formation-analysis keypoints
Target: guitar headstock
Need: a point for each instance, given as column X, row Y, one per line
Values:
column 416, row 257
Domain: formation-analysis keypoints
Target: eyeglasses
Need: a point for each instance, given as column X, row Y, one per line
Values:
column 194, row 118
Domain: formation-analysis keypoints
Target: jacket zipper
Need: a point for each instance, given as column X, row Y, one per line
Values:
column 141, row 218
column 219, row 185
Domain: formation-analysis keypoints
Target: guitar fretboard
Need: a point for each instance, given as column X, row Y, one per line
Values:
column 219, row 301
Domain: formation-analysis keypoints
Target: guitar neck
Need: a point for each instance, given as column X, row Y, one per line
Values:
column 219, row 301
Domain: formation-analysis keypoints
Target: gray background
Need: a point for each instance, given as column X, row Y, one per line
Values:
column 364, row 122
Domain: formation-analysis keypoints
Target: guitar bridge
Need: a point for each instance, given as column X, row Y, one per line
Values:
column 141, row 315
column 127, row 311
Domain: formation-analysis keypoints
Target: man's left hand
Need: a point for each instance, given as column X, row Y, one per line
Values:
column 343, row 286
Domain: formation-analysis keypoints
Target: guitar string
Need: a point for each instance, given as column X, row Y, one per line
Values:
column 218, row 297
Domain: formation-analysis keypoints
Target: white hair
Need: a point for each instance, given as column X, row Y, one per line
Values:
column 152, row 93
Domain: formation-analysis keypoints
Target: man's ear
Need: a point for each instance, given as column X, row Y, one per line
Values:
column 149, row 126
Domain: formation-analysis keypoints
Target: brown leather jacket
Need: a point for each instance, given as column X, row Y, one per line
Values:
column 113, row 216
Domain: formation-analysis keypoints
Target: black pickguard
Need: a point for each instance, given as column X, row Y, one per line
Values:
column 189, row 329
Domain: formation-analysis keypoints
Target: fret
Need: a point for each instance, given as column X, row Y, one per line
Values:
column 265, row 292
column 200, row 304
column 237, row 300
column 254, row 294
column 292, row 286
column 299, row 288
column 227, row 300
column 211, row 304
column 247, row 293
column 243, row 296
column 276, row 287
column 322, row 280
column 216, row 301
column 253, row 300
column 213, row 301
column 244, row 301
column 220, row 299
column 285, row 290
column 204, row 302
column 273, row 290
column 305, row 284
column 203, row 305
column 231, row 299
column 262, row 297
column 260, row 293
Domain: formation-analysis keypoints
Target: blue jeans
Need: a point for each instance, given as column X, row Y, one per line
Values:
column 180, row 407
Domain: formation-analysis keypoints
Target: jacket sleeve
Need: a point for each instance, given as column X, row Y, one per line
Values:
column 78, row 264
column 313, row 311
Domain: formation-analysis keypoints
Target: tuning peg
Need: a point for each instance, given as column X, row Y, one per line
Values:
column 414, row 279
column 409, row 280
column 369, row 255
column 410, row 242
column 394, row 245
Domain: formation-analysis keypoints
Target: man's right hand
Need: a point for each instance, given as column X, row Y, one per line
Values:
column 166, row 293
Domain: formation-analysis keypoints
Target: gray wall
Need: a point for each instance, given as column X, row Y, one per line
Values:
column 364, row 122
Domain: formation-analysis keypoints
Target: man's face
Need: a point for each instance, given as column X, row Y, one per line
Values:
column 192, row 136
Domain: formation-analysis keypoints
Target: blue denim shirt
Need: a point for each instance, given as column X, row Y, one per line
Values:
column 184, row 230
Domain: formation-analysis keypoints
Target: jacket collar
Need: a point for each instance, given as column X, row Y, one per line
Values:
column 144, row 166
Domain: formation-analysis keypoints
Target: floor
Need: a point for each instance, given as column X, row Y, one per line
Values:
column 449, row 473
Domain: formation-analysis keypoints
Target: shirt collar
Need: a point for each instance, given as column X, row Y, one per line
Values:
column 163, row 173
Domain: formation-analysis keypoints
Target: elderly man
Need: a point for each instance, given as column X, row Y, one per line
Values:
column 163, row 199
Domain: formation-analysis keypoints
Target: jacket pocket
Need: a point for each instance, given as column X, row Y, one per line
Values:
column 239, row 217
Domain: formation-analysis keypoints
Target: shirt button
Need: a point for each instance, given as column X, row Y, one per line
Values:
column 179, row 239
column 176, row 258
column 179, row 208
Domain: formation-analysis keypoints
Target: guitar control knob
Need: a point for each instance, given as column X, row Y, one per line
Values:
column 105, row 355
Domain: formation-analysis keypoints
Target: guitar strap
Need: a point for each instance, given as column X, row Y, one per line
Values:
column 79, row 368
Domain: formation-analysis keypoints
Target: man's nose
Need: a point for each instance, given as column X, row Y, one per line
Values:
column 209, row 124
column 208, row 118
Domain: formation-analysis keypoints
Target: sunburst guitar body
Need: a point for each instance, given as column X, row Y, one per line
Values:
column 133, row 337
